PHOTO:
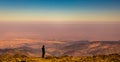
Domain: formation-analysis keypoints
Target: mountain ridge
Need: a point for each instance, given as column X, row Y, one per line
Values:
column 62, row 48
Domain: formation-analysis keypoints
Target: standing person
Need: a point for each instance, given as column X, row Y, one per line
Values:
column 43, row 51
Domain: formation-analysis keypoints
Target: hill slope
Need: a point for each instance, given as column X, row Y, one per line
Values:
column 60, row 48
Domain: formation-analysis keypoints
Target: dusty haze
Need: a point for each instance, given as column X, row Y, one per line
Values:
column 61, row 31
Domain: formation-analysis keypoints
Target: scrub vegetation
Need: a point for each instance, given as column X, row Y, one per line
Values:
column 23, row 58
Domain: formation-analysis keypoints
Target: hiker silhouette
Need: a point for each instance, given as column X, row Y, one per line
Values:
column 43, row 51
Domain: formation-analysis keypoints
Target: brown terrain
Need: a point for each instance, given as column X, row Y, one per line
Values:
column 32, row 47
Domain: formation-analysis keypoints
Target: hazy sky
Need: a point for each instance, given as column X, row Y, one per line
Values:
column 60, row 10
column 60, row 19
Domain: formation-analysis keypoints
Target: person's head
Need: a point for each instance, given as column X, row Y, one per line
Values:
column 43, row 46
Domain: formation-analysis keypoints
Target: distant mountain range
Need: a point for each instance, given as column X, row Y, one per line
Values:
column 59, row 48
